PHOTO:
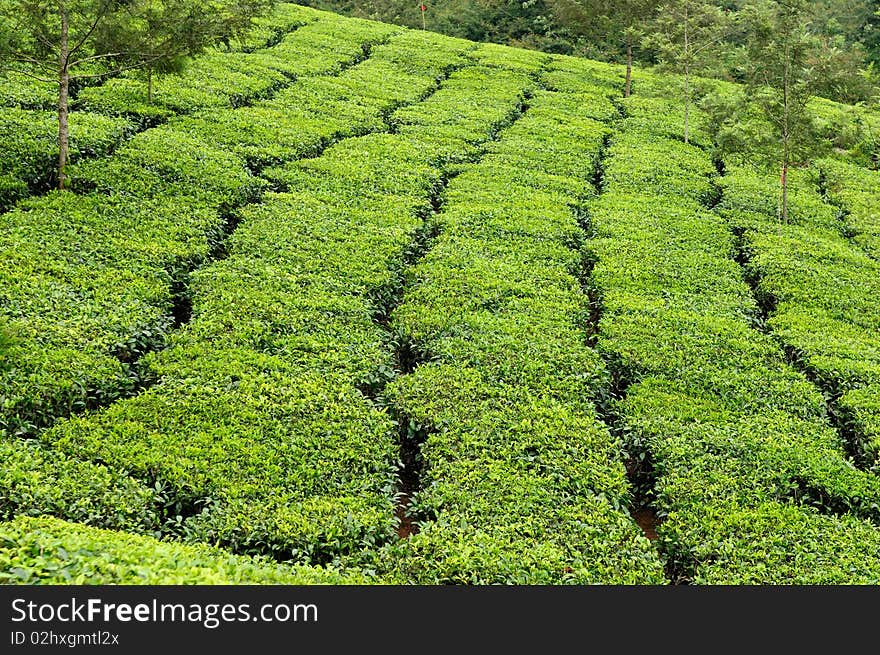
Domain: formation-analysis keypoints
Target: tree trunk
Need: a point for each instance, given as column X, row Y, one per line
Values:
column 63, row 98
column 629, row 65
column 785, row 191
column 786, row 159
column 687, row 102
column 687, row 76
column 149, row 85
column 786, row 130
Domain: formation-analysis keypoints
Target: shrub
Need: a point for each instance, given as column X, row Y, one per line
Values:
column 49, row 551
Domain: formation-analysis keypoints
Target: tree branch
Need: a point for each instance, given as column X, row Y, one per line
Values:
column 106, row 55
column 46, row 42
column 19, row 28
column 709, row 44
column 22, row 59
column 30, row 75
column 103, row 12
column 116, row 71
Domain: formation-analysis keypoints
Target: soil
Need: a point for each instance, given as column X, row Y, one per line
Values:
column 406, row 527
column 647, row 520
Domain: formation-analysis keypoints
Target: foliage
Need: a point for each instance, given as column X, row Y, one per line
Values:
column 76, row 40
column 522, row 483
column 480, row 249
column 840, row 71
column 688, row 35
column 49, row 551
column 118, row 36
column 734, row 433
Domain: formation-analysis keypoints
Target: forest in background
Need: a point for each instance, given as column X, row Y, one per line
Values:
column 848, row 32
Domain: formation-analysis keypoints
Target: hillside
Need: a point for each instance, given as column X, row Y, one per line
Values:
column 354, row 303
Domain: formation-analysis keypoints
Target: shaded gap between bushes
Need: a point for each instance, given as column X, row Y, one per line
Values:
column 383, row 299
column 856, row 445
column 638, row 462
column 407, row 353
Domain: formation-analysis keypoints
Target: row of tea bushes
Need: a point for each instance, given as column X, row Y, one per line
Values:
column 258, row 420
column 50, row 551
column 521, row 482
column 733, row 436
column 89, row 286
column 99, row 123
column 821, row 282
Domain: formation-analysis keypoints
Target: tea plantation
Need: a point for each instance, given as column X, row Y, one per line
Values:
column 351, row 303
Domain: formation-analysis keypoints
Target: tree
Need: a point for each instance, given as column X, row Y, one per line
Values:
column 780, row 78
column 74, row 40
column 872, row 34
column 171, row 32
column 840, row 70
column 623, row 21
column 515, row 22
column 686, row 34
